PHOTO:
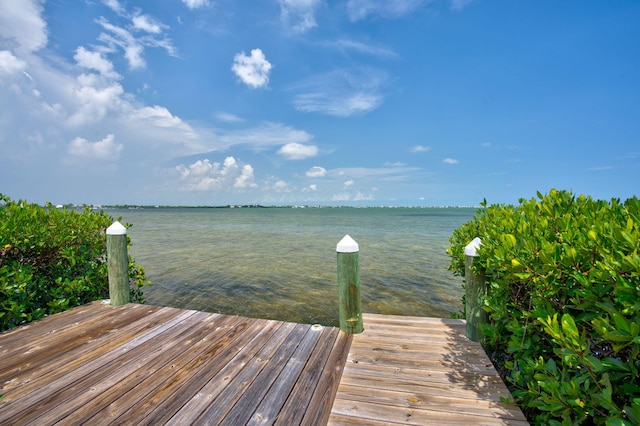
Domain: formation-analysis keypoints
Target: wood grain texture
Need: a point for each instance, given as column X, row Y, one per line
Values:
column 135, row 364
column 412, row 370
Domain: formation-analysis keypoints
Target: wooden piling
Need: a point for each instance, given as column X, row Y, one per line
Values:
column 350, row 305
column 118, row 264
column 476, row 291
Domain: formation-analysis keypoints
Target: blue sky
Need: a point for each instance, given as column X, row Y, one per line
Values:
column 355, row 102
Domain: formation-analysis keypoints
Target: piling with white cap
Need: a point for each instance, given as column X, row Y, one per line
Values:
column 476, row 291
column 118, row 264
column 350, row 305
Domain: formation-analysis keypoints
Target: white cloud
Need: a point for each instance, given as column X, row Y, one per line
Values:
column 450, row 161
column 252, row 70
column 359, row 47
column 94, row 98
column 361, row 9
column 264, row 136
column 341, row 93
column 20, row 22
column 195, row 4
column 297, row 151
column 106, row 149
column 420, row 148
column 299, row 14
column 246, row 178
column 203, row 175
column 349, row 183
column 95, row 61
column 227, row 117
column 115, row 6
column 316, row 172
column 133, row 47
column 147, row 23
column 10, row 64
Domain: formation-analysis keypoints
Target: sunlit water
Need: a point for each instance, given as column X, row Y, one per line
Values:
column 280, row 263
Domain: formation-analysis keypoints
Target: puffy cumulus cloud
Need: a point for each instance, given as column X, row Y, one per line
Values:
column 361, row 9
column 316, row 172
column 420, row 148
column 20, row 22
column 160, row 116
column 298, row 151
column 341, row 93
column 204, row 175
column 10, row 64
column 252, row 70
column 281, row 186
column 349, row 183
column 105, row 149
column 94, row 98
column 246, row 178
column 195, row 4
column 450, row 161
column 95, row 61
column 299, row 14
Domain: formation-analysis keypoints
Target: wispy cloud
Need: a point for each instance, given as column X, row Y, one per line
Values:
column 195, row 4
column 420, row 148
column 299, row 15
column 362, row 48
column 450, row 161
column 460, row 4
column 341, row 93
column 361, row 9
column 252, row 70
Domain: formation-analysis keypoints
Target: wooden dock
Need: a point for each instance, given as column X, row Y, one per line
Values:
column 137, row 364
column 420, row 371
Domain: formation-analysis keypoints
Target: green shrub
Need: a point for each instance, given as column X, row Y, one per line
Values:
column 53, row 259
column 563, row 277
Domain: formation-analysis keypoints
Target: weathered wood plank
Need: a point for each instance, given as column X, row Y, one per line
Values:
column 32, row 371
column 56, row 398
column 271, row 404
column 116, row 394
column 419, row 371
column 328, row 387
column 297, row 403
column 230, row 366
column 256, row 389
column 186, row 383
column 366, row 412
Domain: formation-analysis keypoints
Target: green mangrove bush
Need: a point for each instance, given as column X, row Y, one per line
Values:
column 563, row 300
column 53, row 259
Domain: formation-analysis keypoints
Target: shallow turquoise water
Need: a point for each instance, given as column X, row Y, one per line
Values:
column 280, row 263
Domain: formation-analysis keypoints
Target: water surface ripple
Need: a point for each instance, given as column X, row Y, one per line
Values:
column 280, row 263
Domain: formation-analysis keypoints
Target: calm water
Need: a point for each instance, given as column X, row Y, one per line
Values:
column 280, row 263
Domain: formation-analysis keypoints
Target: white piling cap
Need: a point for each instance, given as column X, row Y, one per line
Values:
column 116, row 228
column 472, row 248
column 347, row 245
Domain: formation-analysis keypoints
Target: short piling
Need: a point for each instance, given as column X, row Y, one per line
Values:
column 350, row 305
column 476, row 291
column 118, row 264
